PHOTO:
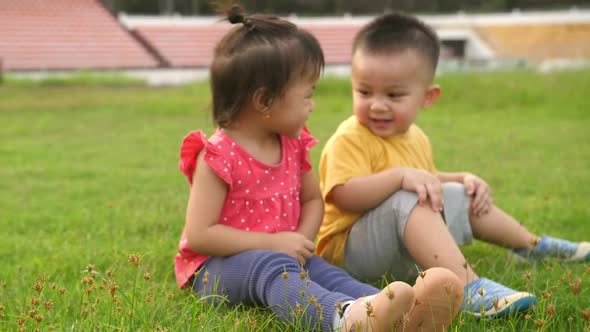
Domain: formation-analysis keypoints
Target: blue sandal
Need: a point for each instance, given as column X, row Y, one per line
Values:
column 487, row 298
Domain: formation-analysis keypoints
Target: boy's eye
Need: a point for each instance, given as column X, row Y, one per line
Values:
column 395, row 95
column 363, row 92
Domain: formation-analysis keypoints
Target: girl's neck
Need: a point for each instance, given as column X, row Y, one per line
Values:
column 257, row 141
column 247, row 127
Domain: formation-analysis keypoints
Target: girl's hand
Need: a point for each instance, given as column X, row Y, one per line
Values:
column 426, row 185
column 293, row 244
column 480, row 193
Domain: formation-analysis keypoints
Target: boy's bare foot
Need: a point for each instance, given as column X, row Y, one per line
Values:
column 380, row 312
column 439, row 294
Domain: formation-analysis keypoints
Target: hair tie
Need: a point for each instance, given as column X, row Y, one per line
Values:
column 234, row 15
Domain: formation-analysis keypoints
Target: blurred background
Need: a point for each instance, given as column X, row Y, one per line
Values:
column 89, row 179
column 339, row 7
column 168, row 42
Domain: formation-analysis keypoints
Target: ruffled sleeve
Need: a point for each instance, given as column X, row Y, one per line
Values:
column 306, row 141
column 190, row 148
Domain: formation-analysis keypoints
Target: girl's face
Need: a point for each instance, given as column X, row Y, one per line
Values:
column 289, row 113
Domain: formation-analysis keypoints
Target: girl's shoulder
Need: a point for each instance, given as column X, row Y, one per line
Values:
column 196, row 142
column 303, row 143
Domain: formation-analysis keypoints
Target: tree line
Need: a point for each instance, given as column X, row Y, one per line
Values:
column 338, row 7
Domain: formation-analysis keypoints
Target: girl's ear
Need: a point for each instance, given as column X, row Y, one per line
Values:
column 261, row 100
column 432, row 95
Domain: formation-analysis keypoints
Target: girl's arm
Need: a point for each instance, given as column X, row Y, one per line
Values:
column 312, row 206
column 203, row 233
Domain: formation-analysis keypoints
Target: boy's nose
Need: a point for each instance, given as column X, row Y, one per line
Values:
column 378, row 105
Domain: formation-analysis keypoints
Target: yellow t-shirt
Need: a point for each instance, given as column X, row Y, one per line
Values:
column 354, row 151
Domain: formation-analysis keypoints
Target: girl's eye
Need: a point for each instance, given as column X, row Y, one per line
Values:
column 395, row 95
column 363, row 92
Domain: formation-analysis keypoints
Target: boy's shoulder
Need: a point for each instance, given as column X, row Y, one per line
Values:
column 416, row 131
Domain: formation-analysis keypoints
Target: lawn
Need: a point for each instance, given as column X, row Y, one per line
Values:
column 92, row 203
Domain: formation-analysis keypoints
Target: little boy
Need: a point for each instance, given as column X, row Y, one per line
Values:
column 388, row 208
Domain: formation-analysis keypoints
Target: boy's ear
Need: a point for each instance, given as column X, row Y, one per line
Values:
column 261, row 100
column 432, row 95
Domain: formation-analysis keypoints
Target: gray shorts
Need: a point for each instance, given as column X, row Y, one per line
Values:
column 375, row 246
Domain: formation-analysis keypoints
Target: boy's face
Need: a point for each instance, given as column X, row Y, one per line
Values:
column 389, row 89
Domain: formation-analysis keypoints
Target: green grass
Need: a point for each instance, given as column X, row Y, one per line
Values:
column 88, row 176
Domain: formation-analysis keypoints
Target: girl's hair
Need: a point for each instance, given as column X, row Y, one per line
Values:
column 262, row 52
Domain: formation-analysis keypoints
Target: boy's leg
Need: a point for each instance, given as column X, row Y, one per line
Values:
column 432, row 243
column 375, row 247
column 429, row 242
column 495, row 226
column 499, row 228
column 399, row 231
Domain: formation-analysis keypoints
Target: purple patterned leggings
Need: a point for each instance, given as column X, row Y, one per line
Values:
column 273, row 279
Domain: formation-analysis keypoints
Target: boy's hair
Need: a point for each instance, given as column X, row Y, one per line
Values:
column 263, row 52
column 398, row 32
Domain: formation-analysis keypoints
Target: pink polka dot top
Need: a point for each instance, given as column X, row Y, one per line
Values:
column 260, row 197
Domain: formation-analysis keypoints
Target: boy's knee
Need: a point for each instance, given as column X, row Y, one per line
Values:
column 455, row 198
column 454, row 189
column 402, row 202
column 403, row 196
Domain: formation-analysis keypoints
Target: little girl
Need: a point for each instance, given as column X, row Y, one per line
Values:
column 255, row 205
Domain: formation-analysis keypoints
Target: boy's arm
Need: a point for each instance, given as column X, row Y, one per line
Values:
column 362, row 193
column 366, row 192
column 348, row 178
column 451, row 177
column 312, row 206
column 207, row 237
column 475, row 187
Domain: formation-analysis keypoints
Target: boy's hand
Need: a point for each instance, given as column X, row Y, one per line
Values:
column 480, row 193
column 425, row 185
column 293, row 244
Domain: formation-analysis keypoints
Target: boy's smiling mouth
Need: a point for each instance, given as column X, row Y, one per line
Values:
column 380, row 122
